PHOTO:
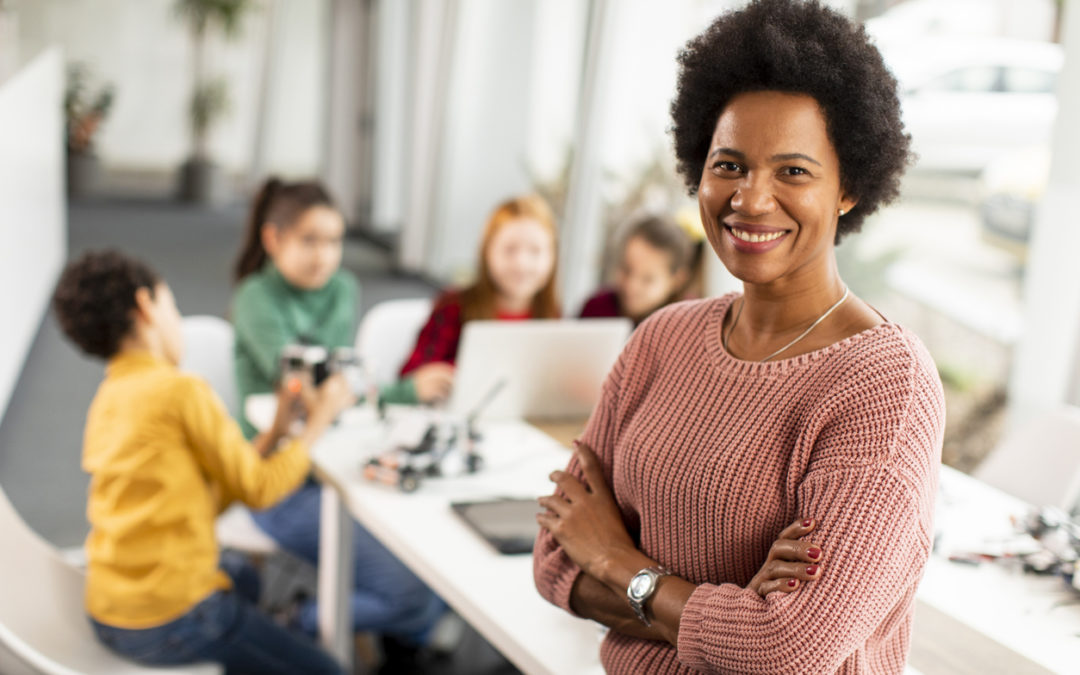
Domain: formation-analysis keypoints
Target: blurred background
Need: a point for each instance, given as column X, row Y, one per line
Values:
column 148, row 124
column 421, row 114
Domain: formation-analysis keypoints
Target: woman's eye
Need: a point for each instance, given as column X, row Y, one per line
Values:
column 795, row 171
column 727, row 167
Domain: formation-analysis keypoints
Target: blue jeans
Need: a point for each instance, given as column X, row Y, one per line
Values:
column 386, row 598
column 224, row 628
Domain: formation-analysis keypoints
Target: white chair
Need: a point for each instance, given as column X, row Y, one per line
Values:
column 42, row 617
column 209, row 354
column 1040, row 463
column 388, row 334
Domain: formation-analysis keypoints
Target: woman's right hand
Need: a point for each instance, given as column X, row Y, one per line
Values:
column 433, row 382
column 790, row 561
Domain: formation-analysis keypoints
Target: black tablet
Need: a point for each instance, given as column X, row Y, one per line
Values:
column 507, row 524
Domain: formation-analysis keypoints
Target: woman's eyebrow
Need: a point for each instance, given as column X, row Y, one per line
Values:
column 775, row 158
column 728, row 151
column 793, row 155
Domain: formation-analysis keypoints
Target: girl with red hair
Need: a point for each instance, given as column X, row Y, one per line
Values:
column 515, row 281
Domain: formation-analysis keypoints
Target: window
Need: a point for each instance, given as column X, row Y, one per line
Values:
column 973, row 79
column 1029, row 81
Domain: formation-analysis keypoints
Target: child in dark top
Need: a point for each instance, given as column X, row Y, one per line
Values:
column 657, row 261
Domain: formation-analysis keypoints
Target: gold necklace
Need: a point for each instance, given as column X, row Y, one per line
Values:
column 806, row 332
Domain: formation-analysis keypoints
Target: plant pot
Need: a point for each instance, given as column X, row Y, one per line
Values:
column 201, row 182
column 83, row 174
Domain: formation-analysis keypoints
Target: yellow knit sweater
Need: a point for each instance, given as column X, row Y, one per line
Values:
column 165, row 458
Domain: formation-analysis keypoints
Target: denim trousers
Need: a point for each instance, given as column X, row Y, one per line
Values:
column 386, row 596
column 225, row 628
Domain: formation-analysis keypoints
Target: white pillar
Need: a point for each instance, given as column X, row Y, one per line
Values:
column 395, row 49
column 346, row 138
column 1048, row 355
column 582, row 227
column 436, row 21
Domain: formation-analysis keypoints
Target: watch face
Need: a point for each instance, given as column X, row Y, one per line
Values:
column 640, row 585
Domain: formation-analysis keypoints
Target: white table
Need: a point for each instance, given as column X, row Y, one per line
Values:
column 1037, row 617
column 989, row 618
column 494, row 593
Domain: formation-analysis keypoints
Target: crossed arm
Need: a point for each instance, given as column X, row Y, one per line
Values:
column 584, row 519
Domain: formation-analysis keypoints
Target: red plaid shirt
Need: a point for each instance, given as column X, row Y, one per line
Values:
column 439, row 338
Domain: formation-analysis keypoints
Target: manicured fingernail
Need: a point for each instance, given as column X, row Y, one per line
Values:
column 553, row 476
column 812, row 570
column 791, row 583
column 814, row 553
column 807, row 523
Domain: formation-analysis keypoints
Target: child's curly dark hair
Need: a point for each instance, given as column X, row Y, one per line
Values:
column 95, row 296
column 797, row 46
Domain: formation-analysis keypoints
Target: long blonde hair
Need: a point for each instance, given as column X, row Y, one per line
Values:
column 478, row 300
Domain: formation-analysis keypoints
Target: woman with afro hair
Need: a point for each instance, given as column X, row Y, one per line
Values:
column 754, row 492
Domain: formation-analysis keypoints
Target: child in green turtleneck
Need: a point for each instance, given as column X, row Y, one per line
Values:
column 291, row 288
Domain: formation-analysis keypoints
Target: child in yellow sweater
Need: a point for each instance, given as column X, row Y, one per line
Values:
column 165, row 458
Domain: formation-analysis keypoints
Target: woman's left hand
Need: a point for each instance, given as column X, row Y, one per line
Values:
column 584, row 518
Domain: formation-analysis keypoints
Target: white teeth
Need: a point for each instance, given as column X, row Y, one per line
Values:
column 755, row 238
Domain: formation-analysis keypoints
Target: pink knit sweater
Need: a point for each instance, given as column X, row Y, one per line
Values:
column 711, row 457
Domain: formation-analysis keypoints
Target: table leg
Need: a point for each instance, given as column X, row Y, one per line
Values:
column 335, row 577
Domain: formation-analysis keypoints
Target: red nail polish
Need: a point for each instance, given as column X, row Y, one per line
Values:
column 814, row 553
column 807, row 522
column 812, row 570
column 791, row 583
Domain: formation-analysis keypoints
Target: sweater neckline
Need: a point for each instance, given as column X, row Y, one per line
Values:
column 725, row 361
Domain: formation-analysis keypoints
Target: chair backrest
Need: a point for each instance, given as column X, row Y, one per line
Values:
column 42, row 617
column 208, row 353
column 388, row 334
column 1040, row 463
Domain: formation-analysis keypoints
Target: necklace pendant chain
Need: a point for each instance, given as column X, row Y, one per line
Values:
column 801, row 335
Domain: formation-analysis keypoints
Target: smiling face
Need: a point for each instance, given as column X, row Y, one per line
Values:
column 770, row 190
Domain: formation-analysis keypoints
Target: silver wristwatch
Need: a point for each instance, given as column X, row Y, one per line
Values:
column 641, row 588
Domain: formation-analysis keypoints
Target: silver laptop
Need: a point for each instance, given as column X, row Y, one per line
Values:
column 539, row 369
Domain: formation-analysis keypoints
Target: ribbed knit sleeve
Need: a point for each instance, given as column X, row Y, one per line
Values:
column 870, row 485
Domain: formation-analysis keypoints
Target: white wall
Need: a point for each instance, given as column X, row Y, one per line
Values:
column 33, row 225
column 485, row 131
column 143, row 48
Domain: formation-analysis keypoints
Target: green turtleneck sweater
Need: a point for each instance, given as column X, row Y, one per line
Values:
column 269, row 313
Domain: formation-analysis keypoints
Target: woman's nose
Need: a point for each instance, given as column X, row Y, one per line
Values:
column 753, row 197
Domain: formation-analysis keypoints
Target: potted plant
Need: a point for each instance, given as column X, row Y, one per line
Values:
column 200, row 177
column 85, row 109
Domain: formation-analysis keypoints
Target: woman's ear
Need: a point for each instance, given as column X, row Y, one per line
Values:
column 847, row 202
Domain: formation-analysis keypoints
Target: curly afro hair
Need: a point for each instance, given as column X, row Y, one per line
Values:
column 95, row 296
column 797, row 46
